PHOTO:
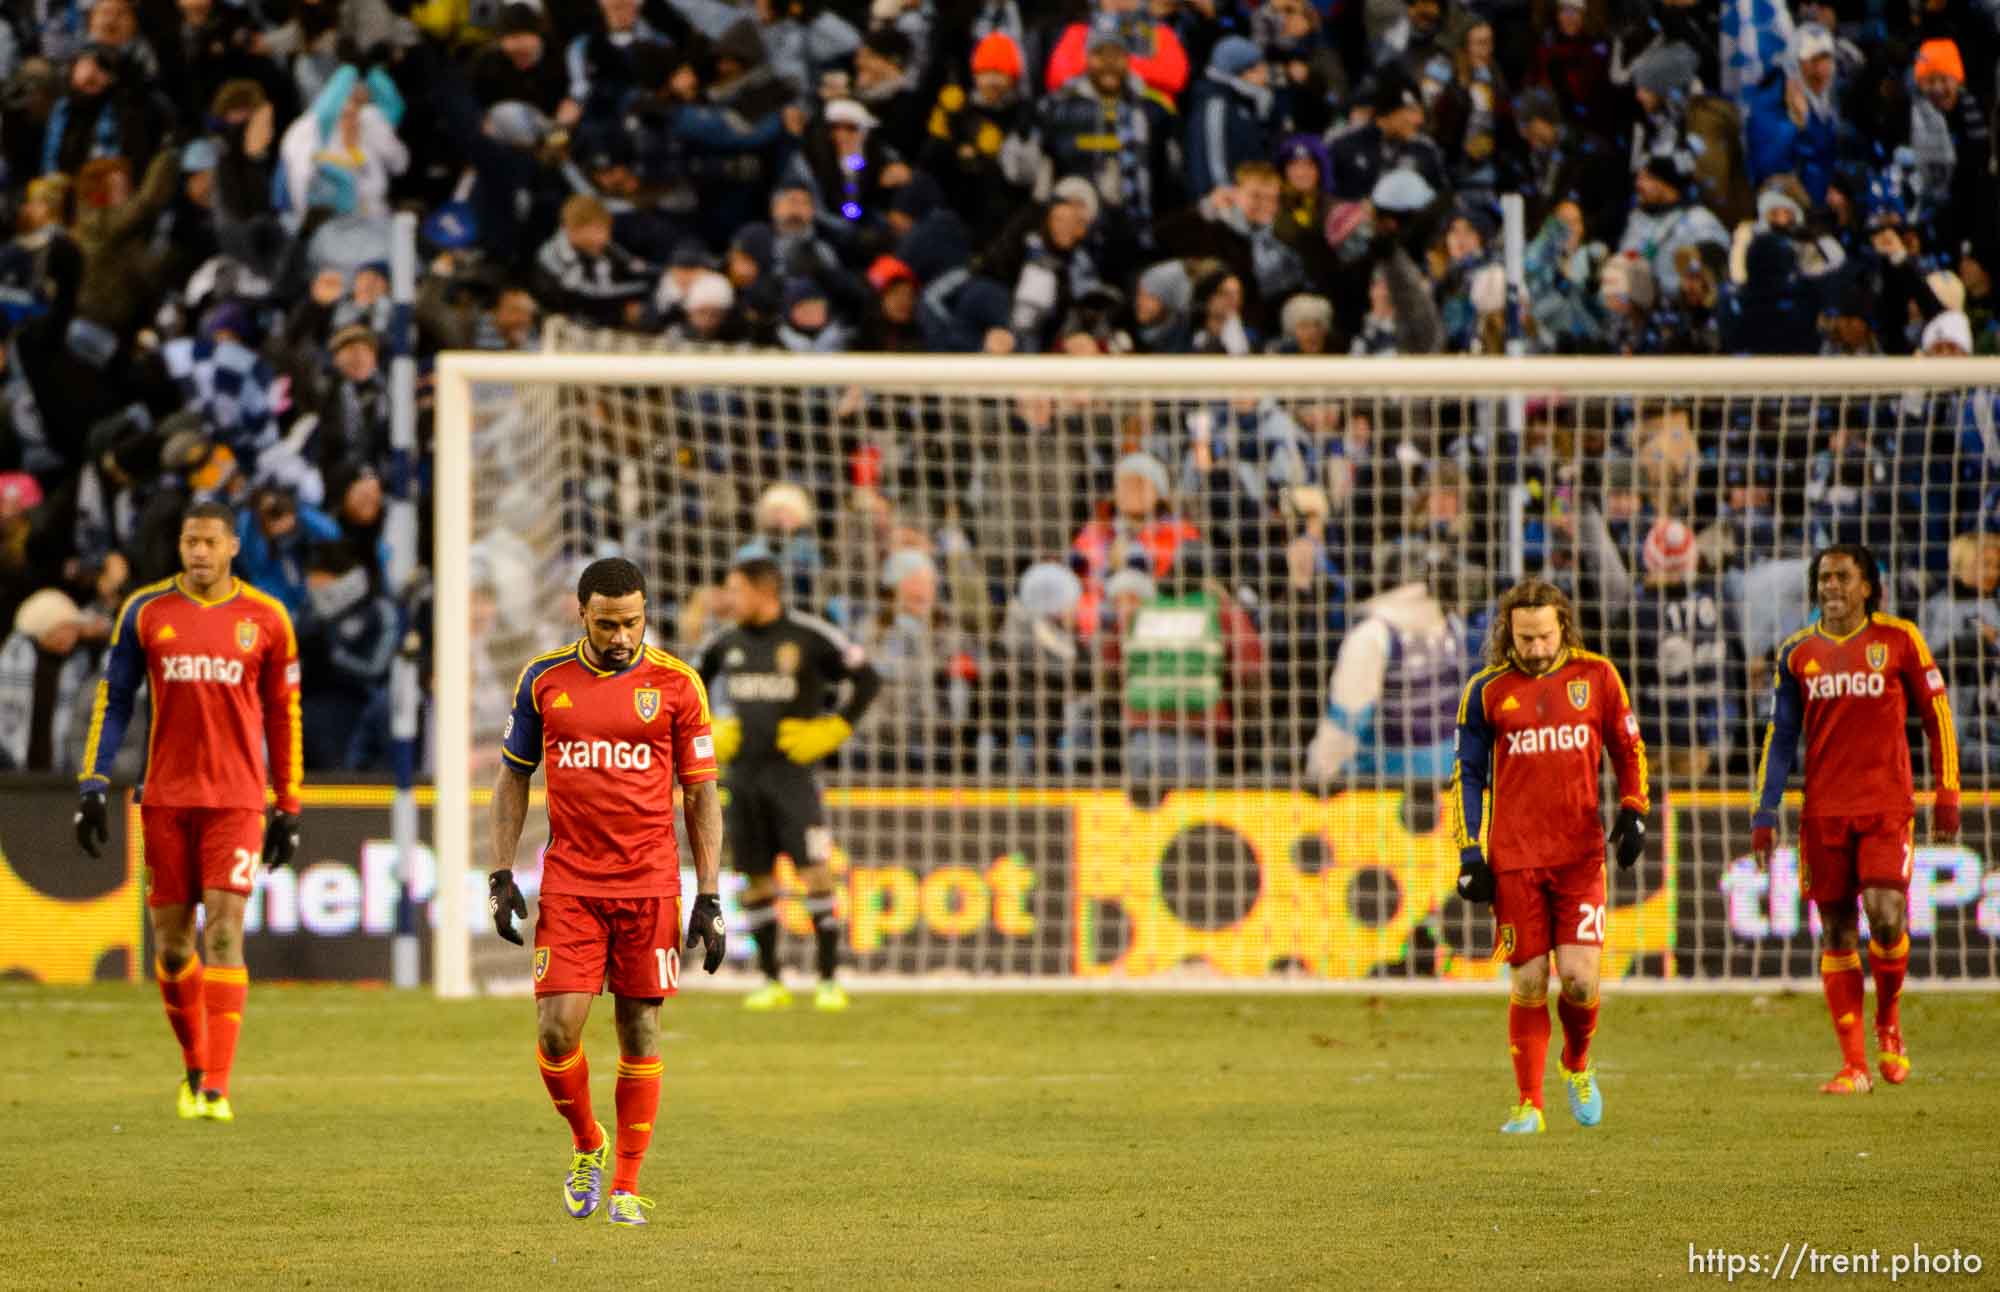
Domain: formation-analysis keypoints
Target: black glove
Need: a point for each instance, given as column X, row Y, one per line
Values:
column 1475, row 877
column 93, row 826
column 281, row 839
column 503, row 898
column 705, row 927
column 1628, row 836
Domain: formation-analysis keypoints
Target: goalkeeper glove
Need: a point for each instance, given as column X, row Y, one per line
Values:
column 705, row 927
column 281, row 839
column 1475, row 877
column 93, row 826
column 728, row 734
column 503, row 898
column 1628, row 836
column 1944, row 817
column 807, row 740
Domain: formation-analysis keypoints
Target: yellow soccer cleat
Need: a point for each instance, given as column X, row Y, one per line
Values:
column 215, row 1107
column 772, row 995
column 583, row 1187
column 187, row 1101
column 1893, row 1057
column 1849, row 1081
column 1526, row 1120
column 831, row 998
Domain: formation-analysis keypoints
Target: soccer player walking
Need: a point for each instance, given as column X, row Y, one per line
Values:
column 221, row 665
column 780, row 670
column 1848, row 682
column 615, row 723
column 1532, row 728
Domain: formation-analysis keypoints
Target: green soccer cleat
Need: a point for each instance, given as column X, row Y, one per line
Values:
column 1585, row 1103
column 583, row 1187
column 772, row 995
column 626, row 1209
column 831, row 998
column 187, row 1101
column 1527, row 1120
column 215, row 1107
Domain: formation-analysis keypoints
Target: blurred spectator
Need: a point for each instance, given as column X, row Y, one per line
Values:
column 806, row 322
column 1044, row 255
column 354, row 413
column 581, row 271
column 347, row 642
column 1473, row 114
column 1962, row 625
column 1951, row 145
column 978, row 142
column 1700, row 134
column 1683, row 661
column 45, row 664
column 343, row 151
column 111, row 110
column 1160, row 305
column 1239, row 224
column 1666, row 218
column 1041, row 688
column 1218, row 316
column 1782, row 208
column 1573, row 62
column 278, row 536
column 1791, row 121
column 1392, row 140
column 1308, row 71
column 1141, row 177
column 1157, row 58
column 1306, row 326
column 1630, row 295
column 925, row 719
column 1691, row 322
column 1392, row 702
column 1561, row 270
column 1229, row 116
column 1138, row 530
column 519, row 67
column 603, row 64
column 1775, row 309
column 885, row 85
column 113, row 229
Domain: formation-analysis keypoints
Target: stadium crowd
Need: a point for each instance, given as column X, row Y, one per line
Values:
column 197, row 303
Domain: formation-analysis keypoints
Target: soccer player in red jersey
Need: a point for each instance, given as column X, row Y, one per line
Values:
column 221, row 665
column 1532, row 727
column 1848, row 681
column 614, row 723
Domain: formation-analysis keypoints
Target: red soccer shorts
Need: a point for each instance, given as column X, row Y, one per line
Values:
column 638, row 937
column 189, row 849
column 1548, row 906
column 1841, row 855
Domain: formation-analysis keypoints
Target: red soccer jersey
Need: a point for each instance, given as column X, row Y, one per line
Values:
column 224, row 680
column 1851, row 695
column 1525, row 783
column 613, row 744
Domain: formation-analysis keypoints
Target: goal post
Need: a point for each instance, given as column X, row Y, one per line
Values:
column 1137, row 784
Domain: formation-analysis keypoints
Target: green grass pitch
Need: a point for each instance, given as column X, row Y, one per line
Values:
column 387, row 1140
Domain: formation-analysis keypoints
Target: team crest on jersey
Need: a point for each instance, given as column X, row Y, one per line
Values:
column 788, row 657
column 1878, row 655
column 246, row 635
column 1503, row 945
column 646, row 700
column 1579, row 694
column 541, row 962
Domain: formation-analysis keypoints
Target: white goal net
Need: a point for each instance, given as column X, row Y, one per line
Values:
column 1172, row 648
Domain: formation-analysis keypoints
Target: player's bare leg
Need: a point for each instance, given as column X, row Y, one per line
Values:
column 1840, row 975
column 225, row 987
column 638, row 1102
column 760, row 894
column 559, row 1020
column 179, row 971
column 1577, row 965
column 1528, row 1043
column 830, row 996
column 1889, row 958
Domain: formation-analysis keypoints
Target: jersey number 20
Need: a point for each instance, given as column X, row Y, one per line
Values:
column 1590, row 924
column 244, row 872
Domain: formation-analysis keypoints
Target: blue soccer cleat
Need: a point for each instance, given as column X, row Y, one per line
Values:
column 626, row 1208
column 583, row 1191
column 1526, row 1120
column 1585, row 1103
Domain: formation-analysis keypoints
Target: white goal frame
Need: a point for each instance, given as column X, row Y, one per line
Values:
column 458, row 371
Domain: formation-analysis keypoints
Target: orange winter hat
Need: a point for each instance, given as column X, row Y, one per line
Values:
column 997, row 52
column 1940, row 58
